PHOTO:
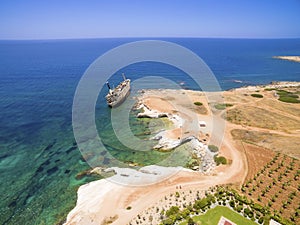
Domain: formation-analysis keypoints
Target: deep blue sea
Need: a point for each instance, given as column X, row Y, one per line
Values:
column 39, row 159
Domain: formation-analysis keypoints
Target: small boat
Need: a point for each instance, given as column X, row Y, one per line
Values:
column 117, row 96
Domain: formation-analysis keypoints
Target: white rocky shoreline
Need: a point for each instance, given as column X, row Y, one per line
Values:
column 199, row 149
column 273, row 84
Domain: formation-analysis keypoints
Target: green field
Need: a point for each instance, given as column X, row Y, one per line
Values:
column 212, row 217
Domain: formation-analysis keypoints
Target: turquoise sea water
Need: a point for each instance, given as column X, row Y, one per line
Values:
column 39, row 158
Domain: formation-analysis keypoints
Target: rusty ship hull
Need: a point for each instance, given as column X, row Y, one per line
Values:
column 117, row 96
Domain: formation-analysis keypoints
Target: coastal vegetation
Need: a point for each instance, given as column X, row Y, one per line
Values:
column 198, row 103
column 220, row 160
column 222, row 201
column 286, row 96
column 250, row 204
column 222, row 106
column 270, row 89
column 200, row 108
column 213, row 148
column 193, row 163
column 289, row 97
column 257, row 95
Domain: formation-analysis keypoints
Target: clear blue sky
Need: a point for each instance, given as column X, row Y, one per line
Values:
column 56, row 19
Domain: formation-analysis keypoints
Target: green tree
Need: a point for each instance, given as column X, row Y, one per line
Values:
column 200, row 204
column 168, row 221
column 185, row 213
column 220, row 160
column 190, row 221
column 172, row 211
column 259, row 198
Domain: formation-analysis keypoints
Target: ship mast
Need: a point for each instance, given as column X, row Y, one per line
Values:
column 109, row 89
column 123, row 76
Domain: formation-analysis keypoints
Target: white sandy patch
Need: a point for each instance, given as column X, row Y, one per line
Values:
column 89, row 202
column 144, row 176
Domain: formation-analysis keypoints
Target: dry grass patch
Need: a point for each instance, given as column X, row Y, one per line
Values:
column 279, row 143
column 237, row 97
column 292, row 109
column 263, row 118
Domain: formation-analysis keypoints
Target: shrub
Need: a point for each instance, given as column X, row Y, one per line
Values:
column 213, row 148
column 190, row 221
column 185, row 213
column 128, row 208
column 222, row 106
column 168, row 221
column 257, row 95
column 283, row 92
column 248, row 212
column 258, row 207
column 293, row 96
column 192, row 163
column 200, row 204
column 270, row 89
column 172, row 211
column 231, row 203
column 288, row 99
column 239, row 208
column 220, row 160
column 198, row 103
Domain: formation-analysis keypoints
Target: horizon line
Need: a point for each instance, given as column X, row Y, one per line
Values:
column 143, row 37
